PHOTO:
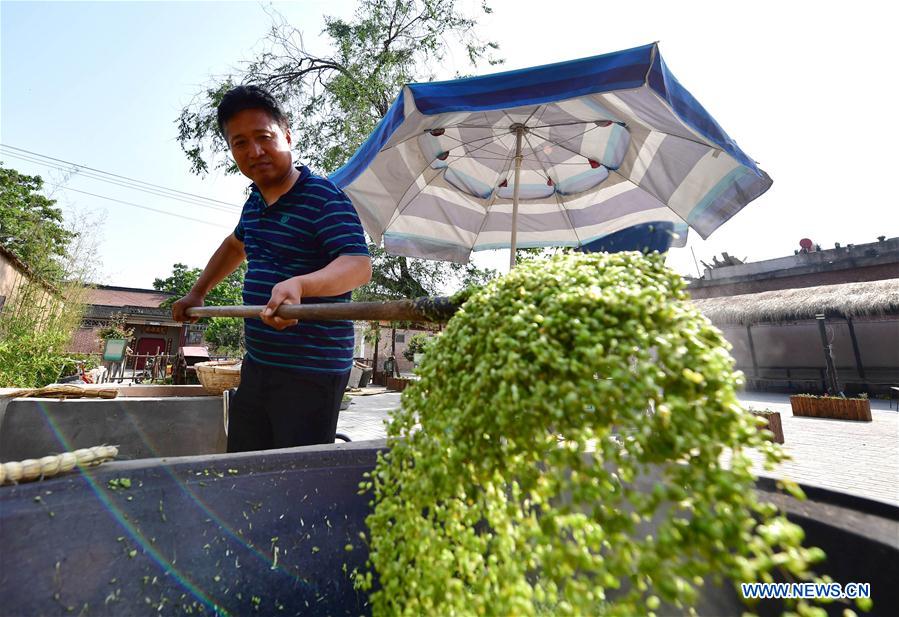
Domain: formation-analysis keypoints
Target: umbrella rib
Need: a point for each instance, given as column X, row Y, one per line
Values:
column 506, row 158
column 692, row 141
column 622, row 176
column 492, row 200
column 491, row 127
column 549, row 126
column 455, row 157
column 417, row 135
column 475, row 150
column 541, row 126
column 545, row 107
column 536, row 157
column 428, row 183
column 412, row 184
column 399, row 212
column 489, row 140
column 509, row 118
column 559, row 143
column 449, row 126
column 503, row 158
column 649, row 130
column 699, row 140
column 559, row 200
column 486, row 117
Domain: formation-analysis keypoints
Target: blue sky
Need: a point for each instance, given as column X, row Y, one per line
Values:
column 101, row 84
column 804, row 87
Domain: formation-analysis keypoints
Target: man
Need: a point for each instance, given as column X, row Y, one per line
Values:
column 303, row 242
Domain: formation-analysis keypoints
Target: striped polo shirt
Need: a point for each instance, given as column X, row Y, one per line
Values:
column 303, row 231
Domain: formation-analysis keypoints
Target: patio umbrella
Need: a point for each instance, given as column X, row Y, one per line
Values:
column 645, row 237
column 556, row 155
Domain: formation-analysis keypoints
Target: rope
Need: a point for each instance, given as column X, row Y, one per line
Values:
column 62, row 391
column 49, row 466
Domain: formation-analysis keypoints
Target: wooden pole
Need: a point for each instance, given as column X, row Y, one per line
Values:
column 858, row 355
column 374, row 372
column 421, row 309
column 755, row 364
column 393, row 341
column 832, row 383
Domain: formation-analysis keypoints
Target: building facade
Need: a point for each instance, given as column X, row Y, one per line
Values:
column 873, row 261
column 784, row 316
column 14, row 274
column 155, row 332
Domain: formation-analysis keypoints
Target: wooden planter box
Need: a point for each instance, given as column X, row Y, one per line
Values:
column 396, row 384
column 774, row 425
column 833, row 407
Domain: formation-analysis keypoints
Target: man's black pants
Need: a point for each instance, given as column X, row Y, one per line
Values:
column 278, row 408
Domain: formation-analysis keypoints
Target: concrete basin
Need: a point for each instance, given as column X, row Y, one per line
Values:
column 267, row 533
column 144, row 421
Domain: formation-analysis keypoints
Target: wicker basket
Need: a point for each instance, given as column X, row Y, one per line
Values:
column 219, row 375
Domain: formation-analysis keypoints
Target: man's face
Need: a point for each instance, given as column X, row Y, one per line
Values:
column 260, row 147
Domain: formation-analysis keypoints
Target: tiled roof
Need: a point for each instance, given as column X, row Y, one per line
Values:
column 85, row 341
column 127, row 296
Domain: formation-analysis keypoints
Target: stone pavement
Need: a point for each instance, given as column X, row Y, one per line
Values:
column 365, row 419
column 861, row 458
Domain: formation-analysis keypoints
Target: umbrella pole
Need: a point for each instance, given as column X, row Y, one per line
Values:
column 519, row 132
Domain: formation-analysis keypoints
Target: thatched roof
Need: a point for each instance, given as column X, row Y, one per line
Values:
column 843, row 300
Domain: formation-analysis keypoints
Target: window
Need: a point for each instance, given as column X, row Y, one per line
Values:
column 400, row 337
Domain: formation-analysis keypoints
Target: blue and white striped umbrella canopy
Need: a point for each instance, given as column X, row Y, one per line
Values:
column 599, row 145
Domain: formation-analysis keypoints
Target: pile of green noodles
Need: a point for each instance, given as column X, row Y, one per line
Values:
column 561, row 452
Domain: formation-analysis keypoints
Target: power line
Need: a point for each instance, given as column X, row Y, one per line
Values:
column 126, row 178
column 128, row 203
column 92, row 176
column 121, row 177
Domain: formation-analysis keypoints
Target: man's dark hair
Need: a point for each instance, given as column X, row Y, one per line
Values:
column 239, row 98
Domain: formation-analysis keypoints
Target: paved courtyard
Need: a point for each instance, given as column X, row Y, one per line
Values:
column 861, row 458
column 365, row 419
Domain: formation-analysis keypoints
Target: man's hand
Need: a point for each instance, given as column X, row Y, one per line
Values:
column 223, row 262
column 179, row 308
column 285, row 292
